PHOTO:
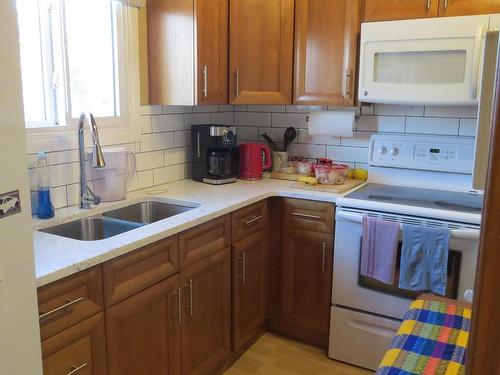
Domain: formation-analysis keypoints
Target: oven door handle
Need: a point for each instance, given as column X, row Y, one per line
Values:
column 460, row 234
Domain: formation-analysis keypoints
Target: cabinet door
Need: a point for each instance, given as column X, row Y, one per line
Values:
column 325, row 51
column 206, row 320
column 261, row 51
column 249, row 260
column 212, row 24
column 451, row 8
column 143, row 332
column 386, row 10
column 306, row 281
column 80, row 349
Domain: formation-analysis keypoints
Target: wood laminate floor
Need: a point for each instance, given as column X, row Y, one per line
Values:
column 275, row 355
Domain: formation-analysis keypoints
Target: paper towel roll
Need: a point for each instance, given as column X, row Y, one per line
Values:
column 331, row 124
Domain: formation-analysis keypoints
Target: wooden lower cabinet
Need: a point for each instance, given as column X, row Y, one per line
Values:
column 249, row 258
column 143, row 332
column 80, row 349
column 206, row 314
column 306, row 282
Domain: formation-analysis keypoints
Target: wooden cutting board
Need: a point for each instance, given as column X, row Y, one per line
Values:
column 287, row 176
column 336, row 189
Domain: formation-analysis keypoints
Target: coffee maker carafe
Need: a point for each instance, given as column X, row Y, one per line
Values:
column 215, row 155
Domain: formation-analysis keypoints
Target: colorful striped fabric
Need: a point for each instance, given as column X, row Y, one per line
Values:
column 432, row 340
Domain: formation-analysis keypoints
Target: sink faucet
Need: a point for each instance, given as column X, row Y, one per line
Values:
column 87, row 196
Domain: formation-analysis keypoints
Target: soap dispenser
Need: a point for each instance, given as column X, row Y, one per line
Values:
column 45, row 209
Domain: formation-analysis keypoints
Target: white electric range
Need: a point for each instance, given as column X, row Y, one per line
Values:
column 415, row 180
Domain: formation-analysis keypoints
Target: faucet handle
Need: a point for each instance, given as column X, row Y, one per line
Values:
column 88, row 198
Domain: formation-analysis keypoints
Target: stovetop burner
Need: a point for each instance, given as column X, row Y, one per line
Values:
column 419, row 197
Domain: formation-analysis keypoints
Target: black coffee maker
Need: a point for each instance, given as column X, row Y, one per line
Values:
column 215, row 156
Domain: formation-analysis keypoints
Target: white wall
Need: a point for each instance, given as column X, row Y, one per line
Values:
column 19, row 333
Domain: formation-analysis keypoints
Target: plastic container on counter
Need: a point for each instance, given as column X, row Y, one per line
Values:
column 331, row 174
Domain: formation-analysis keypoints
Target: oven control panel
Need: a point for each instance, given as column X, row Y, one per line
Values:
column 433, row 153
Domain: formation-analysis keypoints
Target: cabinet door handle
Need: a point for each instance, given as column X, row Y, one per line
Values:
column 68, row 303
column 179, row 309
column 75, row 369
column 205, row 81
column 190, row 306
column 348, row 75
column 323, row 258
column 253, row 220
column 429, row 3
column 237, row 84
column 306, row 216
column 243, row 275
column 446, row 3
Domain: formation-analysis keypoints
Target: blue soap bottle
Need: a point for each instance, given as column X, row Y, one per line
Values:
column 45, row 209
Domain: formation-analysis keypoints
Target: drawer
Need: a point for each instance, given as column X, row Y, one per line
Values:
column 308, row 215
column 249, row 220
column 79, row 350
column 204, row 240
column 69, row 301
column 359, row 338
column 134, row 272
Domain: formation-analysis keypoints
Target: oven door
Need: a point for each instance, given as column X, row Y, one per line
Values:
column 426, row 61
column 350, row 291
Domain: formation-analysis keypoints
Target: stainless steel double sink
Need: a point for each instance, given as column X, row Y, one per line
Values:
column 121, row 220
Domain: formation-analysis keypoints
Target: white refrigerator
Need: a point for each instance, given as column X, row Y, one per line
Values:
column 19, row 333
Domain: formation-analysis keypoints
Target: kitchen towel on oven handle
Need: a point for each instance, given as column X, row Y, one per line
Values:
column 379, row 249
column 424, row 259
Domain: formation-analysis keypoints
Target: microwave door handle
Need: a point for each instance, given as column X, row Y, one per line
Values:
column 476, row 58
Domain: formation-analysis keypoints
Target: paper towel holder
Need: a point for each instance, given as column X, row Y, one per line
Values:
column 356, row 113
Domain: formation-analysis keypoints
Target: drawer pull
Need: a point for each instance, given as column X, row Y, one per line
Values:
column 243, row 275
column 306, row 216
column 179, row 308
column 75, row 369
column 323, row 258
column 190, row 306
column 57, row 309
column 253, row 220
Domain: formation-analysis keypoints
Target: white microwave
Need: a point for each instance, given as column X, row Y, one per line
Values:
column 426, row 61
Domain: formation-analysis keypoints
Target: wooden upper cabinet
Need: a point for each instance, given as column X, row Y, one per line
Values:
column 386, row 10
column 261, row 51
column 325, row 51
column 187, row 51
column 450, row 8
column 211, row 38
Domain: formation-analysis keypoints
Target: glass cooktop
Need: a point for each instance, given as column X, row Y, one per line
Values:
column 419, row 197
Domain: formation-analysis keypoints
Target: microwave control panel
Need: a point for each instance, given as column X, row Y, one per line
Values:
column 443, row 154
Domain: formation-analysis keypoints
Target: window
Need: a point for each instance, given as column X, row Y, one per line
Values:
column 71, row 54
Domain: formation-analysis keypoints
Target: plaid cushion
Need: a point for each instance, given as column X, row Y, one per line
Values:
column 432, row 340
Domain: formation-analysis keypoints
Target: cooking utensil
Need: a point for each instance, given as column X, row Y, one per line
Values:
column 270, row 142
column 290, row 135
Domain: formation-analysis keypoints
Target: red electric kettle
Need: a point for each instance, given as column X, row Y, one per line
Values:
column 254, row 158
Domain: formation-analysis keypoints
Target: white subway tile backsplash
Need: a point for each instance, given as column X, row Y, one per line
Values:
column 195, row 119
column 151, row 110
column 432, row 125
column 307, row 150
column 222, row 118
column 284, row 120
column 305, row 108
column 451, row 111
column 205, row 108
column 226, row 108
column 141, row 180
column 468, row 127
column 360, row 139
column 240, row 108
column 168, row 174
column 252, row 119
column 182, row 138
column 154, row 142
column 167, row 123
column 384, row 124
column 347, row 154
column 177, row 155
column 265, row 108
column 304, row 137
column 367, row 109
column 149, row 160
column 171, row 109
column 246, row 133
column 64, row 174
column 398, row 110
column 146, row 124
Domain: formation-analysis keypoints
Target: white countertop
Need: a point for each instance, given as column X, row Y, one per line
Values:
column 57, row 257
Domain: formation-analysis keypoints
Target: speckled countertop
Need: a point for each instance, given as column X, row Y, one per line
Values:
column 57, row 257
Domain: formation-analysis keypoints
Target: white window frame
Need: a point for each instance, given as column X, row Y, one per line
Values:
column 112, row 130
